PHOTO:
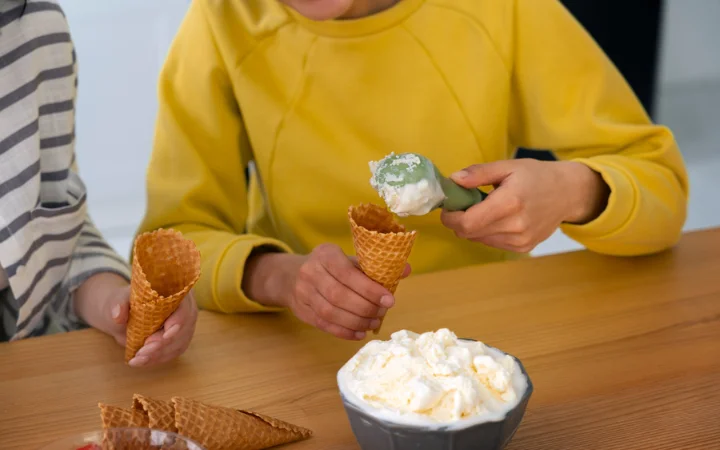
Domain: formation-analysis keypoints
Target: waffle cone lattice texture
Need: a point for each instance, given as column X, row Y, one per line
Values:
column 134, row 424
column 218, row 428
column 115, row 417
column 382, row 245
column 212, row 427
column 159, row 414
column 165, row 267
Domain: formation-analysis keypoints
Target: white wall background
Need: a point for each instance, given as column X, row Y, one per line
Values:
column 121, row 45
column 691, row 42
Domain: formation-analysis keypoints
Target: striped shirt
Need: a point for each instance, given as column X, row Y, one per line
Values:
column 48, row 244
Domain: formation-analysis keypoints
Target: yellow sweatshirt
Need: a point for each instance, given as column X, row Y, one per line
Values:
column 310, row 103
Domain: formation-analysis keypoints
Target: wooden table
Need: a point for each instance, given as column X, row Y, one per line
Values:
column 624, row 354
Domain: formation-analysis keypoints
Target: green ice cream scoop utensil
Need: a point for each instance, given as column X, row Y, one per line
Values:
column 410, row 168
column 458, row 198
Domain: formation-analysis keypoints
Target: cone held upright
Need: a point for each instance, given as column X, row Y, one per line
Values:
column 382, row 244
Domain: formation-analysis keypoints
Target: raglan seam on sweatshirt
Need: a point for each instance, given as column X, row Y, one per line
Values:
column 257, row 43
column 253, row 42
column 480, row 26
column 297, row 95
column 451, row 91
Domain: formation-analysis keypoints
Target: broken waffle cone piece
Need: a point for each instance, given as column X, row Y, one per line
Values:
column 115, row 417
column 159, row 414
column 382, row 244
column 165, row 267
column 218, row 428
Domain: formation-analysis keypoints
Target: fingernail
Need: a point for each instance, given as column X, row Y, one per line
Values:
column 150, row 348
column 374, row 324
column 387, row 301
column 115, row 311
column 382, row 312
column 460, row 174
column 139, row 361
column 172, row 331
column 359, row 335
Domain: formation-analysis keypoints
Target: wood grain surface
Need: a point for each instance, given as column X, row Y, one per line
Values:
column 624, row 354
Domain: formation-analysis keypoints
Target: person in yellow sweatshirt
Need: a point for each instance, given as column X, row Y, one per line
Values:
column 310, row 91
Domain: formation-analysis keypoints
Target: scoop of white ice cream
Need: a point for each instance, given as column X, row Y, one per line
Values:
column 432, row 378
column 407, row 198
column 415, row 199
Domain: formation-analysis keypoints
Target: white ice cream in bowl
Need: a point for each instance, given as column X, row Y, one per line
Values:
column 433, row 391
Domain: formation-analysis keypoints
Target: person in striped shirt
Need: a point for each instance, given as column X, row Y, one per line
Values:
column 57, row 272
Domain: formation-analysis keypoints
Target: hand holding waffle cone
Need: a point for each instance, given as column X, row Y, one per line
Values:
column 165, row 267
column 332, row 293
column 382, row 245
column 212, row 427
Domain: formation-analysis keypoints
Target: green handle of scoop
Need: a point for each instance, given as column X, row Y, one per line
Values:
column 458, row 198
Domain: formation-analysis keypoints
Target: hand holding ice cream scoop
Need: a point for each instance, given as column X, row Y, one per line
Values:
column 411, row 185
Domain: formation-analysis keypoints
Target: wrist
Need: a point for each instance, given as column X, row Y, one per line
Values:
column 587, row 192
column 269, row 277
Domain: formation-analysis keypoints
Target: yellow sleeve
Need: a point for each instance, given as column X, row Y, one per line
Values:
column 568, row 97
column 196, row 181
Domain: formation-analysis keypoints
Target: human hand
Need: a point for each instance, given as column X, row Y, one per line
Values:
column 325, row 289
column 103, row 301
column 531, row 199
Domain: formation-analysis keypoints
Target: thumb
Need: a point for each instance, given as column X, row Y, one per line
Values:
column 488, row 174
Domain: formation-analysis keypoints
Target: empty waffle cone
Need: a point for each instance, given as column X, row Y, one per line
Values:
column 159, row 414
column 218, row 428
column 165, row 267
column 382, row 244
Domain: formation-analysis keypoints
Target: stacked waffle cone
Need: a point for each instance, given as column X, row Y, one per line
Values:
column 165, row 267
column 211, row 427
column 382, row 244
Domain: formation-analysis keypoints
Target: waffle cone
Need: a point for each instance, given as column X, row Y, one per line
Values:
column 218, row 428
column 382, row 244
column 165, row 267
column 159, row 414
column 114, row 417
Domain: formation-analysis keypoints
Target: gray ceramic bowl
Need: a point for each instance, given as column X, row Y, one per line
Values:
column 374, row 434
